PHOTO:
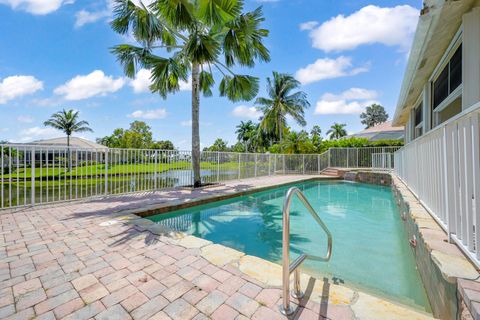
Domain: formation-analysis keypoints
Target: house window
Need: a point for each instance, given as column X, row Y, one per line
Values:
column 447, row 89
column 456, row 69
column 418, row 121
column 449, row 79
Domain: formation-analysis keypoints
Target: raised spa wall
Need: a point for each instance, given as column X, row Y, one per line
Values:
column 371, row 177
column 442, row 266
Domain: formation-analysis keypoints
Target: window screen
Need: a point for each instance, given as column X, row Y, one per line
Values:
column 440, row 88
column 418, row 115
column 449, row 79
column 456, row 69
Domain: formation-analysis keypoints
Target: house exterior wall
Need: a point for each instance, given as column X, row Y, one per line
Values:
column 470, row 91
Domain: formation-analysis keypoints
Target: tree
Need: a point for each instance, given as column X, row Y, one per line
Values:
column 163, row 145
column 316, row 131
column 218, row 145
column 245, row 132
column 297, row 142
column 337, row 131
column 316, row 134
column 373, row 115
column 178, row 38
column 68, row 123
column 138, row 136
column 238, row 147
column 280, row 103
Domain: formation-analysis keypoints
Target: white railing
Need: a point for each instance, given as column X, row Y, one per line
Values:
column 442, row 168
column 382, row 161
column 35, row 174
column 359, row 157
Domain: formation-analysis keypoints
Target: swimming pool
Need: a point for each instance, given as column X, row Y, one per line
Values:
column 370, row 247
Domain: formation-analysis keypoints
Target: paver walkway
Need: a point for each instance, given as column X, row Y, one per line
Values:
column 74, row 261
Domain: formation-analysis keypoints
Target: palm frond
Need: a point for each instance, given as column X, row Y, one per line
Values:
column 178, row 13
column 215, row 12
column 239, row 87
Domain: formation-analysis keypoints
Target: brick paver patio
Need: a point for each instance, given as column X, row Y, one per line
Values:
column 71, row 262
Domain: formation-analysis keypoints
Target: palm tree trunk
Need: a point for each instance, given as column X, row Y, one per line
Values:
column 68, row 154
column 195, row 125
column 280, row 133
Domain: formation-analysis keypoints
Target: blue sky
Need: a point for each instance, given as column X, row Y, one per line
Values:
column 54, row 54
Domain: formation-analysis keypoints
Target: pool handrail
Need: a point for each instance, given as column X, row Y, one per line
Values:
column 289, row 268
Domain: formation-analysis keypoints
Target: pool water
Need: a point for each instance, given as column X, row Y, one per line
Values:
column 370, row 247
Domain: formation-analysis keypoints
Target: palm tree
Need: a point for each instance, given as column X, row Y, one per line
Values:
column 176, row 39
column 67, row 121
column 316, row 131
column 297, row 142
column 280, row 103
column 337, row 131
column 245, row 132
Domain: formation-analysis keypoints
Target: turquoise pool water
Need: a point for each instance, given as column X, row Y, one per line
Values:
column 370, row 247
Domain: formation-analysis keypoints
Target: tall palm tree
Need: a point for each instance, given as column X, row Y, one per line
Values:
column 337, row 131
column 179, row 38
column 68, row 122
column 281, row 102
column 245, row 131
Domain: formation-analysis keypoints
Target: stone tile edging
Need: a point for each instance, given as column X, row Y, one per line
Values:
column 216, row 195
column 444, row 269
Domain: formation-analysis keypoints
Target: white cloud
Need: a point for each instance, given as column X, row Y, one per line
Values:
column 371, row 24
column 18, row 86
column 186, row 123
column 352, row 94
column 309, row 25
column 25, row 119
column 149, row 114
column 246, row 112
column 47, row 102
column 38, row 7
column 328, row 69
column 351, row 101
column 142, row 82
column 186, row 85
column 84, row 17
column 37, row 133
column 93, row 84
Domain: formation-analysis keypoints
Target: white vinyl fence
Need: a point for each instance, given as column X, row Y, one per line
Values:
column 442, row 168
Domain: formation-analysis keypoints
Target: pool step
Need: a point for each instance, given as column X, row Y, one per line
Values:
column 332, row 172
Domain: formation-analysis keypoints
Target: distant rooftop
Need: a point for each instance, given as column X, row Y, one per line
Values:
column 383, row 131
column 74, row 142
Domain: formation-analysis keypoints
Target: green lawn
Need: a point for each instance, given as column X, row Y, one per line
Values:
column 119, row 169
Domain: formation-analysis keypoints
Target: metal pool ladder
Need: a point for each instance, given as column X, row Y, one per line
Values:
column 289, row 268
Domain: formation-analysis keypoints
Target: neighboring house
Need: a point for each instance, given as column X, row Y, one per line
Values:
column 439, row 105
column 55, row 150
column 382, row 131
column 74, row 143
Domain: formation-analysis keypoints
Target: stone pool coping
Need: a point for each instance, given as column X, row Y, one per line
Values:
column 220, row 192
column 449, row 263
